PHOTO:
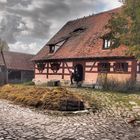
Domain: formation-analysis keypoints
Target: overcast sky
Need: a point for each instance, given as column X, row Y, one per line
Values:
column 27, row 25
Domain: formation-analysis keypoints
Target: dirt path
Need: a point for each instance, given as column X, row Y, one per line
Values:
column 17, row 123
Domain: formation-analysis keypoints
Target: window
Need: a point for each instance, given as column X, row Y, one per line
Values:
column 81, row 29
column 40, row 66
column 77, row 31
column 107, row 44
column 121, row 67
column 55, row 66
column 103, row 67
column 138, row 67
column 52, row 49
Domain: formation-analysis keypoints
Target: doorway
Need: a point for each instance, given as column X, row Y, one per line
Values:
column 79, row 73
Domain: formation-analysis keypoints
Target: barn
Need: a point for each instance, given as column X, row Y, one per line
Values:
column 15, row 67
column 83, row 45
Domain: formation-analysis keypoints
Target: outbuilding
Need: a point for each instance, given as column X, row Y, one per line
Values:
column 16, row 67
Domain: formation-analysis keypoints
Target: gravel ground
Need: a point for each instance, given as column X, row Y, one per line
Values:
column 19, row 123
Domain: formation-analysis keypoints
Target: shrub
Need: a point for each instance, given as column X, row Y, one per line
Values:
column 121, row 86
column 29, row 83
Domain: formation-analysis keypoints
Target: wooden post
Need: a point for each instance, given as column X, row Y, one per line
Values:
column 5, row 67
column 134, row 70
column 6, row 76
column 21, row 74
column 63, row 70
column 47, row 70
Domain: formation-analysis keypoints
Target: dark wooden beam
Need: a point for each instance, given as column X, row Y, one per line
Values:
column 47, row 70
column 63, row 70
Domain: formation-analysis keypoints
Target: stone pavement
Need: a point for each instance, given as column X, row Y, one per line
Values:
column 19, row 123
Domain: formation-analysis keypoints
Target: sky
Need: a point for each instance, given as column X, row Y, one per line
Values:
column 27, row 25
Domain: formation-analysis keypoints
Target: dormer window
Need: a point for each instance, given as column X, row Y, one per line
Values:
column 51, row 49
column 54, row 47
column 77, row 31
column 106, row 43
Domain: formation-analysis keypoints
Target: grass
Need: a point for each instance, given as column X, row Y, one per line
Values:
column 109, row 98
column 50, row 98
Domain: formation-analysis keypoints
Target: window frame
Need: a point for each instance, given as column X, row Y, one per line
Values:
column 104, row 67
column 121, row 67
column 51, row 48
column 41, row 66
column 106, row 43
column 55, row 66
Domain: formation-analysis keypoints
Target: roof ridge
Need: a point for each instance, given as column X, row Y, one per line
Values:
column 18, row 53
column 107, row 11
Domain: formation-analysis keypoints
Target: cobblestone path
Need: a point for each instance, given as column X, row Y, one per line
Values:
column 18, row 123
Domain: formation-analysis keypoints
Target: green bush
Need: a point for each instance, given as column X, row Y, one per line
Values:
column 29, row 83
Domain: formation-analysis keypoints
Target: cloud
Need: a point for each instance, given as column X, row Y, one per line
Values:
column 9, row 27
column 24, row 22
column 25, row 48
column 3, row 1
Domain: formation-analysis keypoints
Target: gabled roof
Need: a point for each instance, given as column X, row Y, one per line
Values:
column 17, row 61
column 86, row 43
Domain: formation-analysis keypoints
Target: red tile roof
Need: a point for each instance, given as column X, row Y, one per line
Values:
column 87, row 44
column 17, row 61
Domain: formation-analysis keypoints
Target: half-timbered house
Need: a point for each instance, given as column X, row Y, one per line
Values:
column 83, row 45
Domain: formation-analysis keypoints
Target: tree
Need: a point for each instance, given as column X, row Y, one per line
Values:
column 125, row 27
column 4, row 47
